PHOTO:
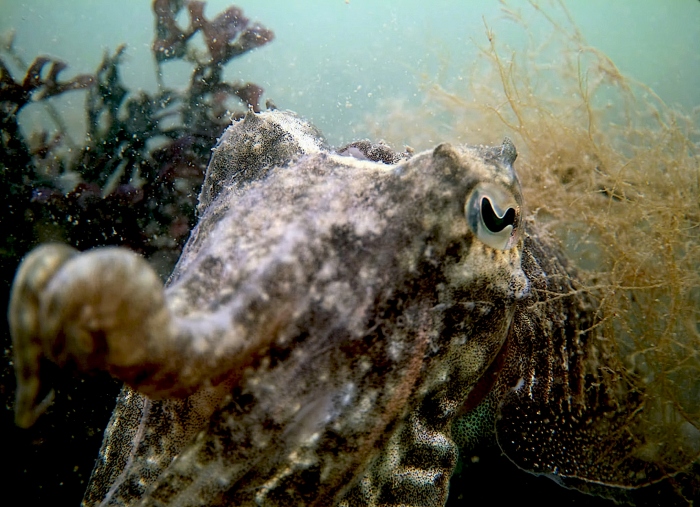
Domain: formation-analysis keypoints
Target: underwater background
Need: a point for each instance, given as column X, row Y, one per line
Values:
column 402, row 71
column 338, row 62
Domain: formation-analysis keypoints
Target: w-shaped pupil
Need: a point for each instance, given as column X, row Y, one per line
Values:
column 491, row 218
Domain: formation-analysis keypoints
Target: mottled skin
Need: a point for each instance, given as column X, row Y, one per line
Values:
column 325, row 327
column 557, row 399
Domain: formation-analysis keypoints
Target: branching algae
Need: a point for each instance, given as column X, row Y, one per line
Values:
column 612, row 173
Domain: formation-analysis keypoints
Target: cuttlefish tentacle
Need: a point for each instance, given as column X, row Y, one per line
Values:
column 24, row 319
column 119, row 322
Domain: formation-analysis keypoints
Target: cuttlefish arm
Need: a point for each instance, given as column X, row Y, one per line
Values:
column 106, row 309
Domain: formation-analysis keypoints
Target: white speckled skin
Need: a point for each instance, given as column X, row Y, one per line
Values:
column 323, row 329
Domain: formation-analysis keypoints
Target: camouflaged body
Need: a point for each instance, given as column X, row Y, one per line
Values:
column 373, row 309
column 340, row 326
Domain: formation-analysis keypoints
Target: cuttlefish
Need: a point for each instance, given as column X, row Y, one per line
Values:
column 339, row 324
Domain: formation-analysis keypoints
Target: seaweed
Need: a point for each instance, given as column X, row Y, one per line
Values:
column 614, row 173
column 132, row 182
column 126, row 191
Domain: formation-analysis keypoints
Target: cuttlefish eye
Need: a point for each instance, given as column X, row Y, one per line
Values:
column 493, row 215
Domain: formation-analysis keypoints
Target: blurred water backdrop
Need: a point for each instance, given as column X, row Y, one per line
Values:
column 337, row 62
